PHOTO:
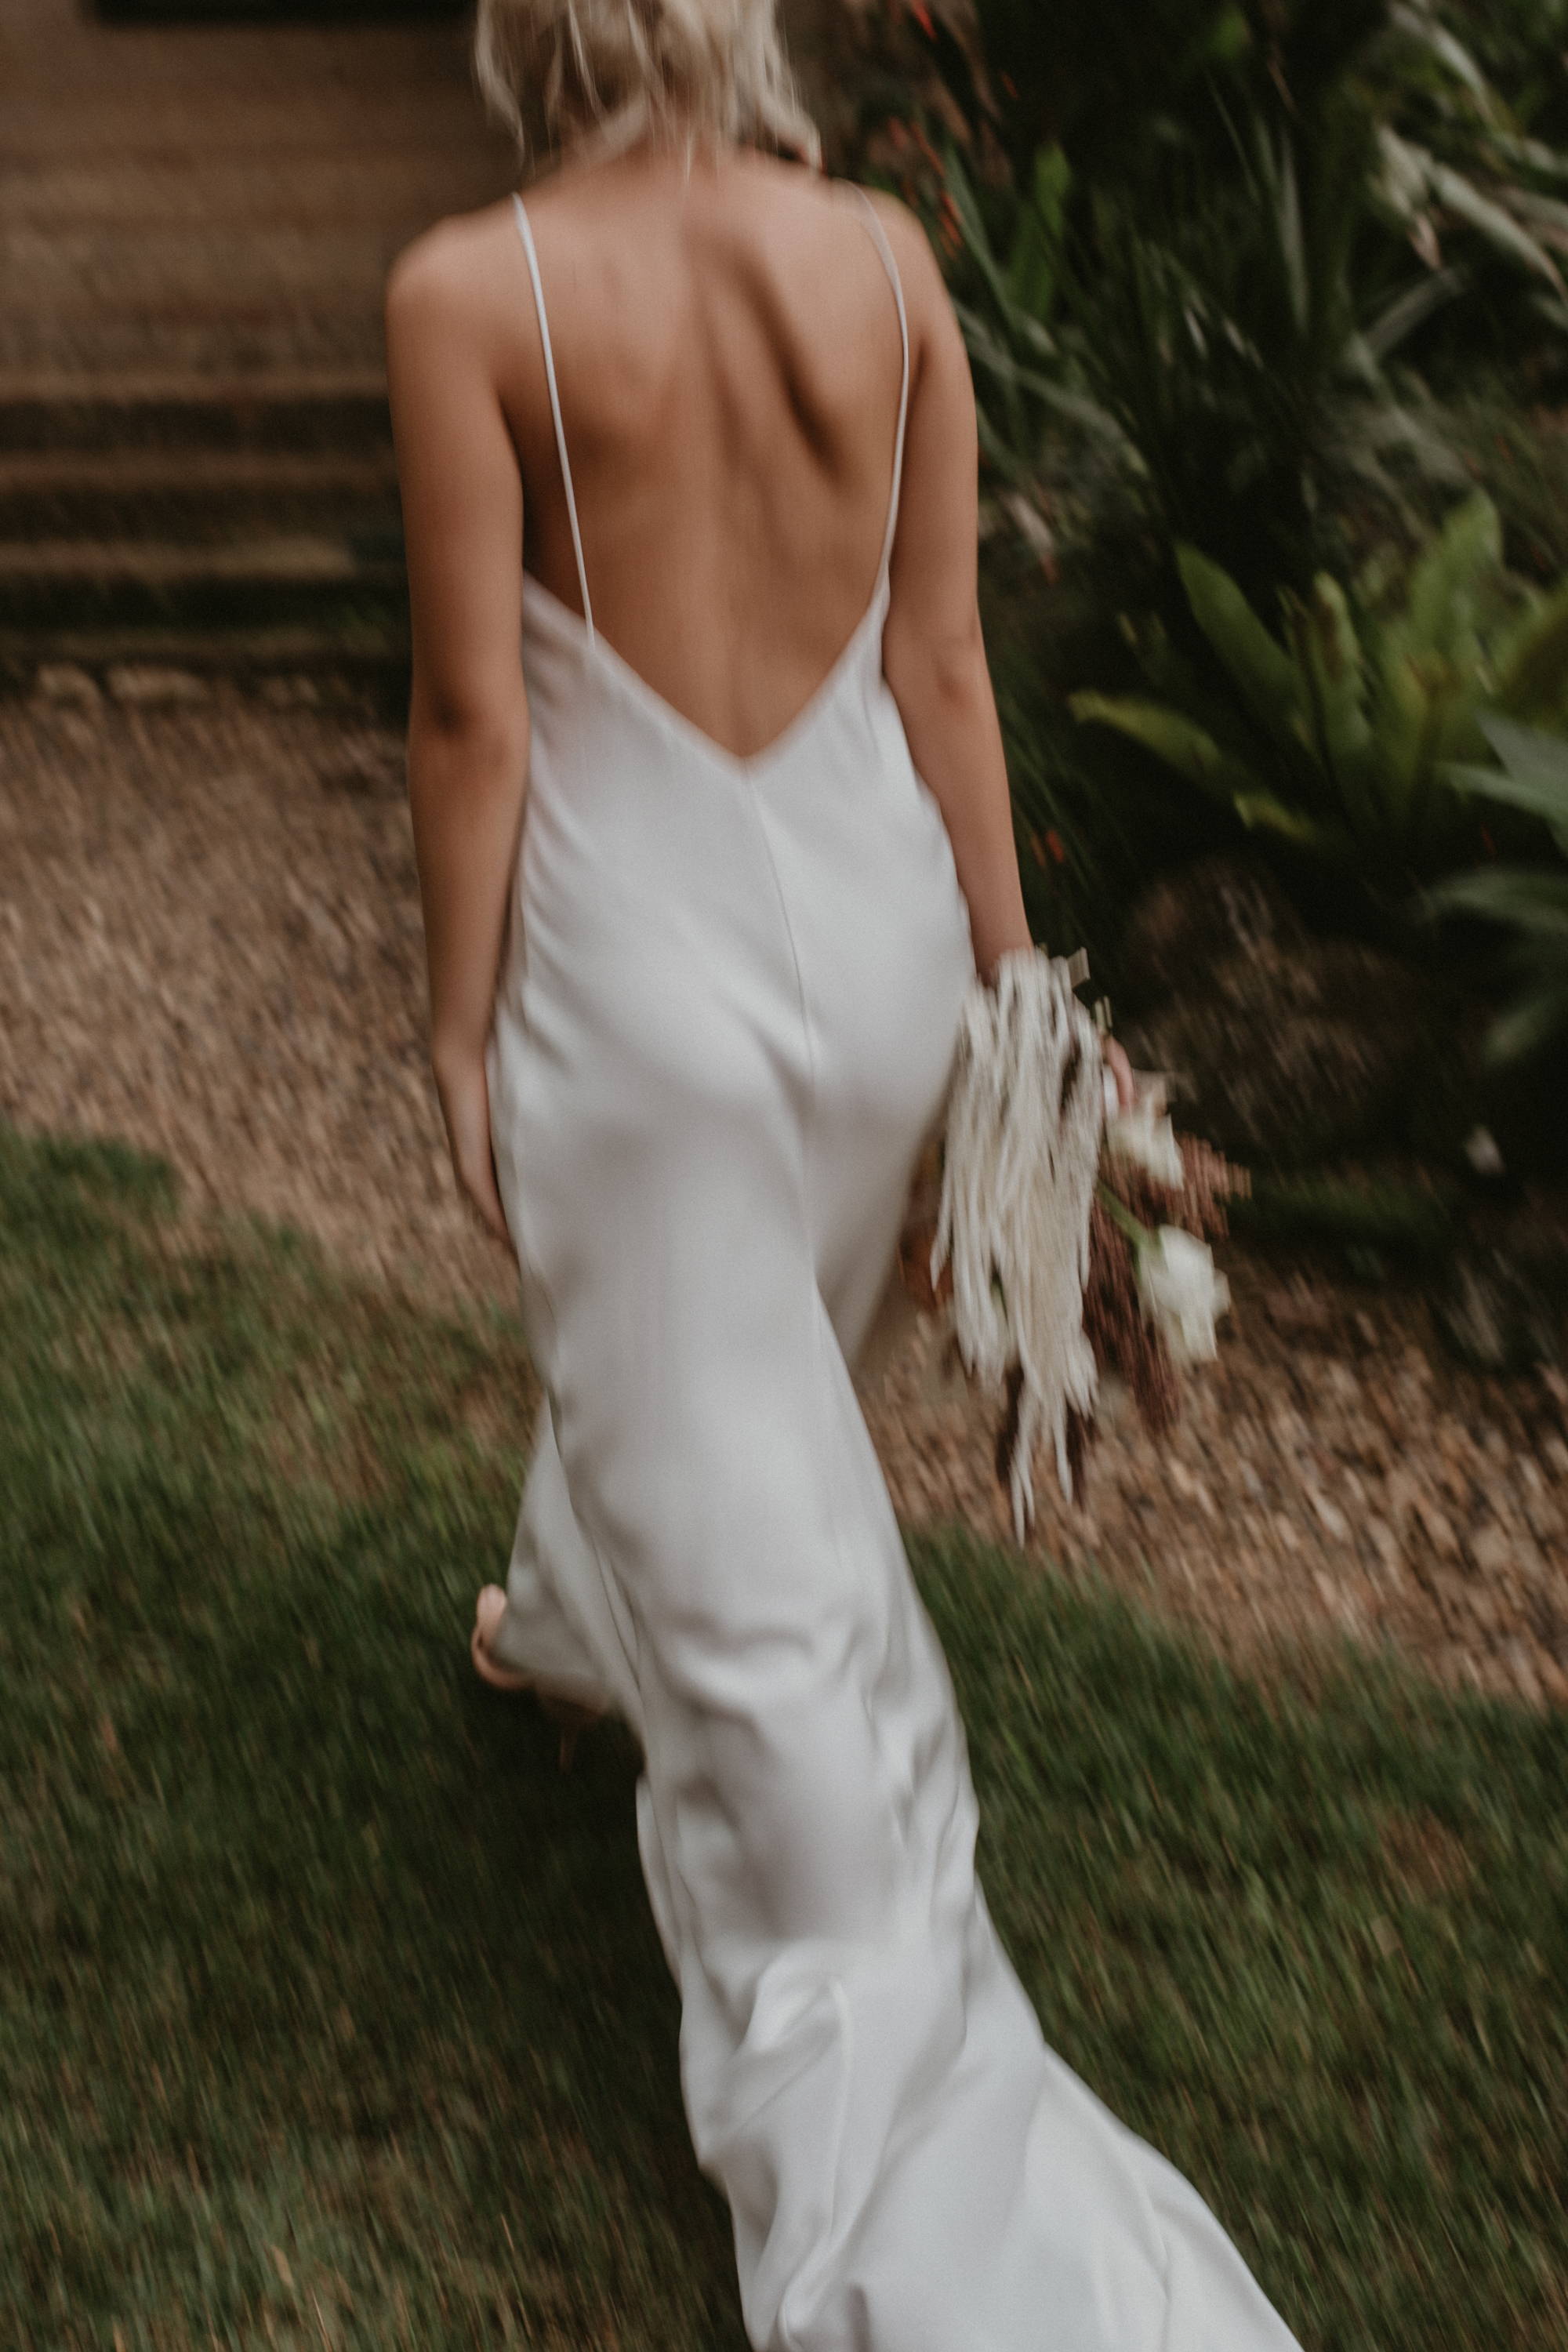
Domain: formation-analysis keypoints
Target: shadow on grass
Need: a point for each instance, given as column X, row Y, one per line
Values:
column 332, row 2013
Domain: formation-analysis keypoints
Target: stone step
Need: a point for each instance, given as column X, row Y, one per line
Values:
column 320, row 12
column 151, row 665
column 222, row 200
column 318, row 582
column 309, row 412
column 199, row 496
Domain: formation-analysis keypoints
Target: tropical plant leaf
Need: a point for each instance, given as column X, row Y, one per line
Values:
column 1493, row 222
column 1364, row 737
column 1411, row 308
column 1266, row 677
column 991, row 353
column 1263, row 812
column 1452, row 583
column 1372, row 426
column 1176, row 681
column 1329, row 654
column 1417, row 24
column 1486, row 784
column 1521, row 896
column 1033, row 267
column 1534, row 1022
column 1189, row 749
column 1531, row 661
column 1530, row 753
column 971, row 226
column 1550, row 214
column 1000, row 452
column 1531, row 155
column 1533, row 775
column 1405, row 179
column 1407, row 727
column 999, row 363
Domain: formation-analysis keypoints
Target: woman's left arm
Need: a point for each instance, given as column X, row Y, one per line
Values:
column 467, row 726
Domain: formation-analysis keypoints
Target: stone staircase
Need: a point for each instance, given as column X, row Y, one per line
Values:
column 191, row 525
column 196, row 462
column 195, row 224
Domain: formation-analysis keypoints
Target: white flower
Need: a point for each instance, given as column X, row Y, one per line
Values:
column 1182, row 1294
column 1146, row 1136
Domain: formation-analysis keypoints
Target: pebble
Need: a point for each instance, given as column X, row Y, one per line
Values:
column 1328, row 1515
column 1493, row 1551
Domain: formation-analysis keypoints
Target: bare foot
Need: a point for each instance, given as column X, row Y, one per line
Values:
column 489, row 1611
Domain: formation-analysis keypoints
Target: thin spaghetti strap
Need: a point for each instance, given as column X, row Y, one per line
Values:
column 526, row 232
column 880, row 236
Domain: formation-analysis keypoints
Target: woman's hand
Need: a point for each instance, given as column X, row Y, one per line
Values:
column 464, row 1094
column 1121, row 1069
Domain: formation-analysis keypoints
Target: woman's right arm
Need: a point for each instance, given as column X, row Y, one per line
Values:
column 467, row 724
column 933, row 652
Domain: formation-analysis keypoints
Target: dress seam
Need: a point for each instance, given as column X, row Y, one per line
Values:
column 823, row 1387
column 808, row 1126
column 617, row 1600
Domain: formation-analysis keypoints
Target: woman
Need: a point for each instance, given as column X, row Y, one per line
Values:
column 691, row 1021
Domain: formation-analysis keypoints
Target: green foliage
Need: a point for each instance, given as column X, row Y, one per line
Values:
column 1411, row 1225
column 1006, row 303
column 1218, row 313
column 1224, row 226
column 1241, row 350
column 1453, row 85
column 333, row 2016
column 1110, row 83
column 1530, row 901
column 1091, row 823
column 1230, row 366
column 1521, row 455
column 1340, row 736
column 1522, row 47
column 1459, row 176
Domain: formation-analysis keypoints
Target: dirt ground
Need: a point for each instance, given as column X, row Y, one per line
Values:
column 210, row 946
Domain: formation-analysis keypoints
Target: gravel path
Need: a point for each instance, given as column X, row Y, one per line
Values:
column 209, row 945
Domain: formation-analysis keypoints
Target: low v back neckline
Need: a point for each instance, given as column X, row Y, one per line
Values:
column 594, row 645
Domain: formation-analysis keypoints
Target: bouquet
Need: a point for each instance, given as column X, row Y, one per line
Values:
column 1061, row 1235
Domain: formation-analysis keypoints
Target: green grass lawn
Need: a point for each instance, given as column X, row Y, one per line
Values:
column 330, row 2015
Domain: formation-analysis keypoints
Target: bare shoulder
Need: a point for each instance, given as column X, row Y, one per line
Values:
column 454, row 274
column 918, row 266
column 804, row 192
column 933, row 329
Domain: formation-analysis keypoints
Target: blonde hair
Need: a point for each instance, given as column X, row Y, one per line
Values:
column 606, row 73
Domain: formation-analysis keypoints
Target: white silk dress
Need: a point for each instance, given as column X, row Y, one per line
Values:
column 726, row 1024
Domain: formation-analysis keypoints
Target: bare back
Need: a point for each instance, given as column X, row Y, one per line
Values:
column 730, row 362
column 729, row 359
column 729, row 383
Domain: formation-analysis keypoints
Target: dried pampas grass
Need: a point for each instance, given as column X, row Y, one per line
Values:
column 1020, row 1166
